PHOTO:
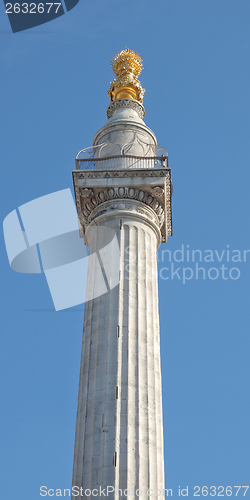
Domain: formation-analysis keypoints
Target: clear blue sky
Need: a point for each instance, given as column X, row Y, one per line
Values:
column 53, row 84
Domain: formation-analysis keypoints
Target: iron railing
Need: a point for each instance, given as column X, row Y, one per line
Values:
column 121, row 161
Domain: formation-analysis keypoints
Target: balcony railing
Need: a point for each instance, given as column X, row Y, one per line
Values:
column 121, row 161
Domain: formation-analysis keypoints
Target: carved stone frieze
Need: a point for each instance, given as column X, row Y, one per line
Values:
column 86, row 193
column 120, row 193
column 157, row 191
column 93, row 174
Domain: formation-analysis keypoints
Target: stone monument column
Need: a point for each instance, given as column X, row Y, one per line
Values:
column 123, row 197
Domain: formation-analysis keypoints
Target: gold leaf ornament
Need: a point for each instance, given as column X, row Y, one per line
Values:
column 127, row 66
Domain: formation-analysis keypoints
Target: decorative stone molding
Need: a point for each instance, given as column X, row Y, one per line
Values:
column 132, row 191
column 121, row 193
column 105, row 174
column 157, row 191
column 86, row 193
column 126, row 103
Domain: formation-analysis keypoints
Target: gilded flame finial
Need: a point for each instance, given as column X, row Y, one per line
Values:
column 127, row 66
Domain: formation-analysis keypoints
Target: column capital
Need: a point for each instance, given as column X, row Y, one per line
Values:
column 141, row 193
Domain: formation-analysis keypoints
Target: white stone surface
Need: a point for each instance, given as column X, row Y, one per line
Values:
column 125, row 133
column 119, row 429
column 120, row 405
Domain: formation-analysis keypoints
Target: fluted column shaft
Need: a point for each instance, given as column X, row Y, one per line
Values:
column 119, row 431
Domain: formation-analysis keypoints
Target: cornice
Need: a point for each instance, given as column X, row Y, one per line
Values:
column 104, row 174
